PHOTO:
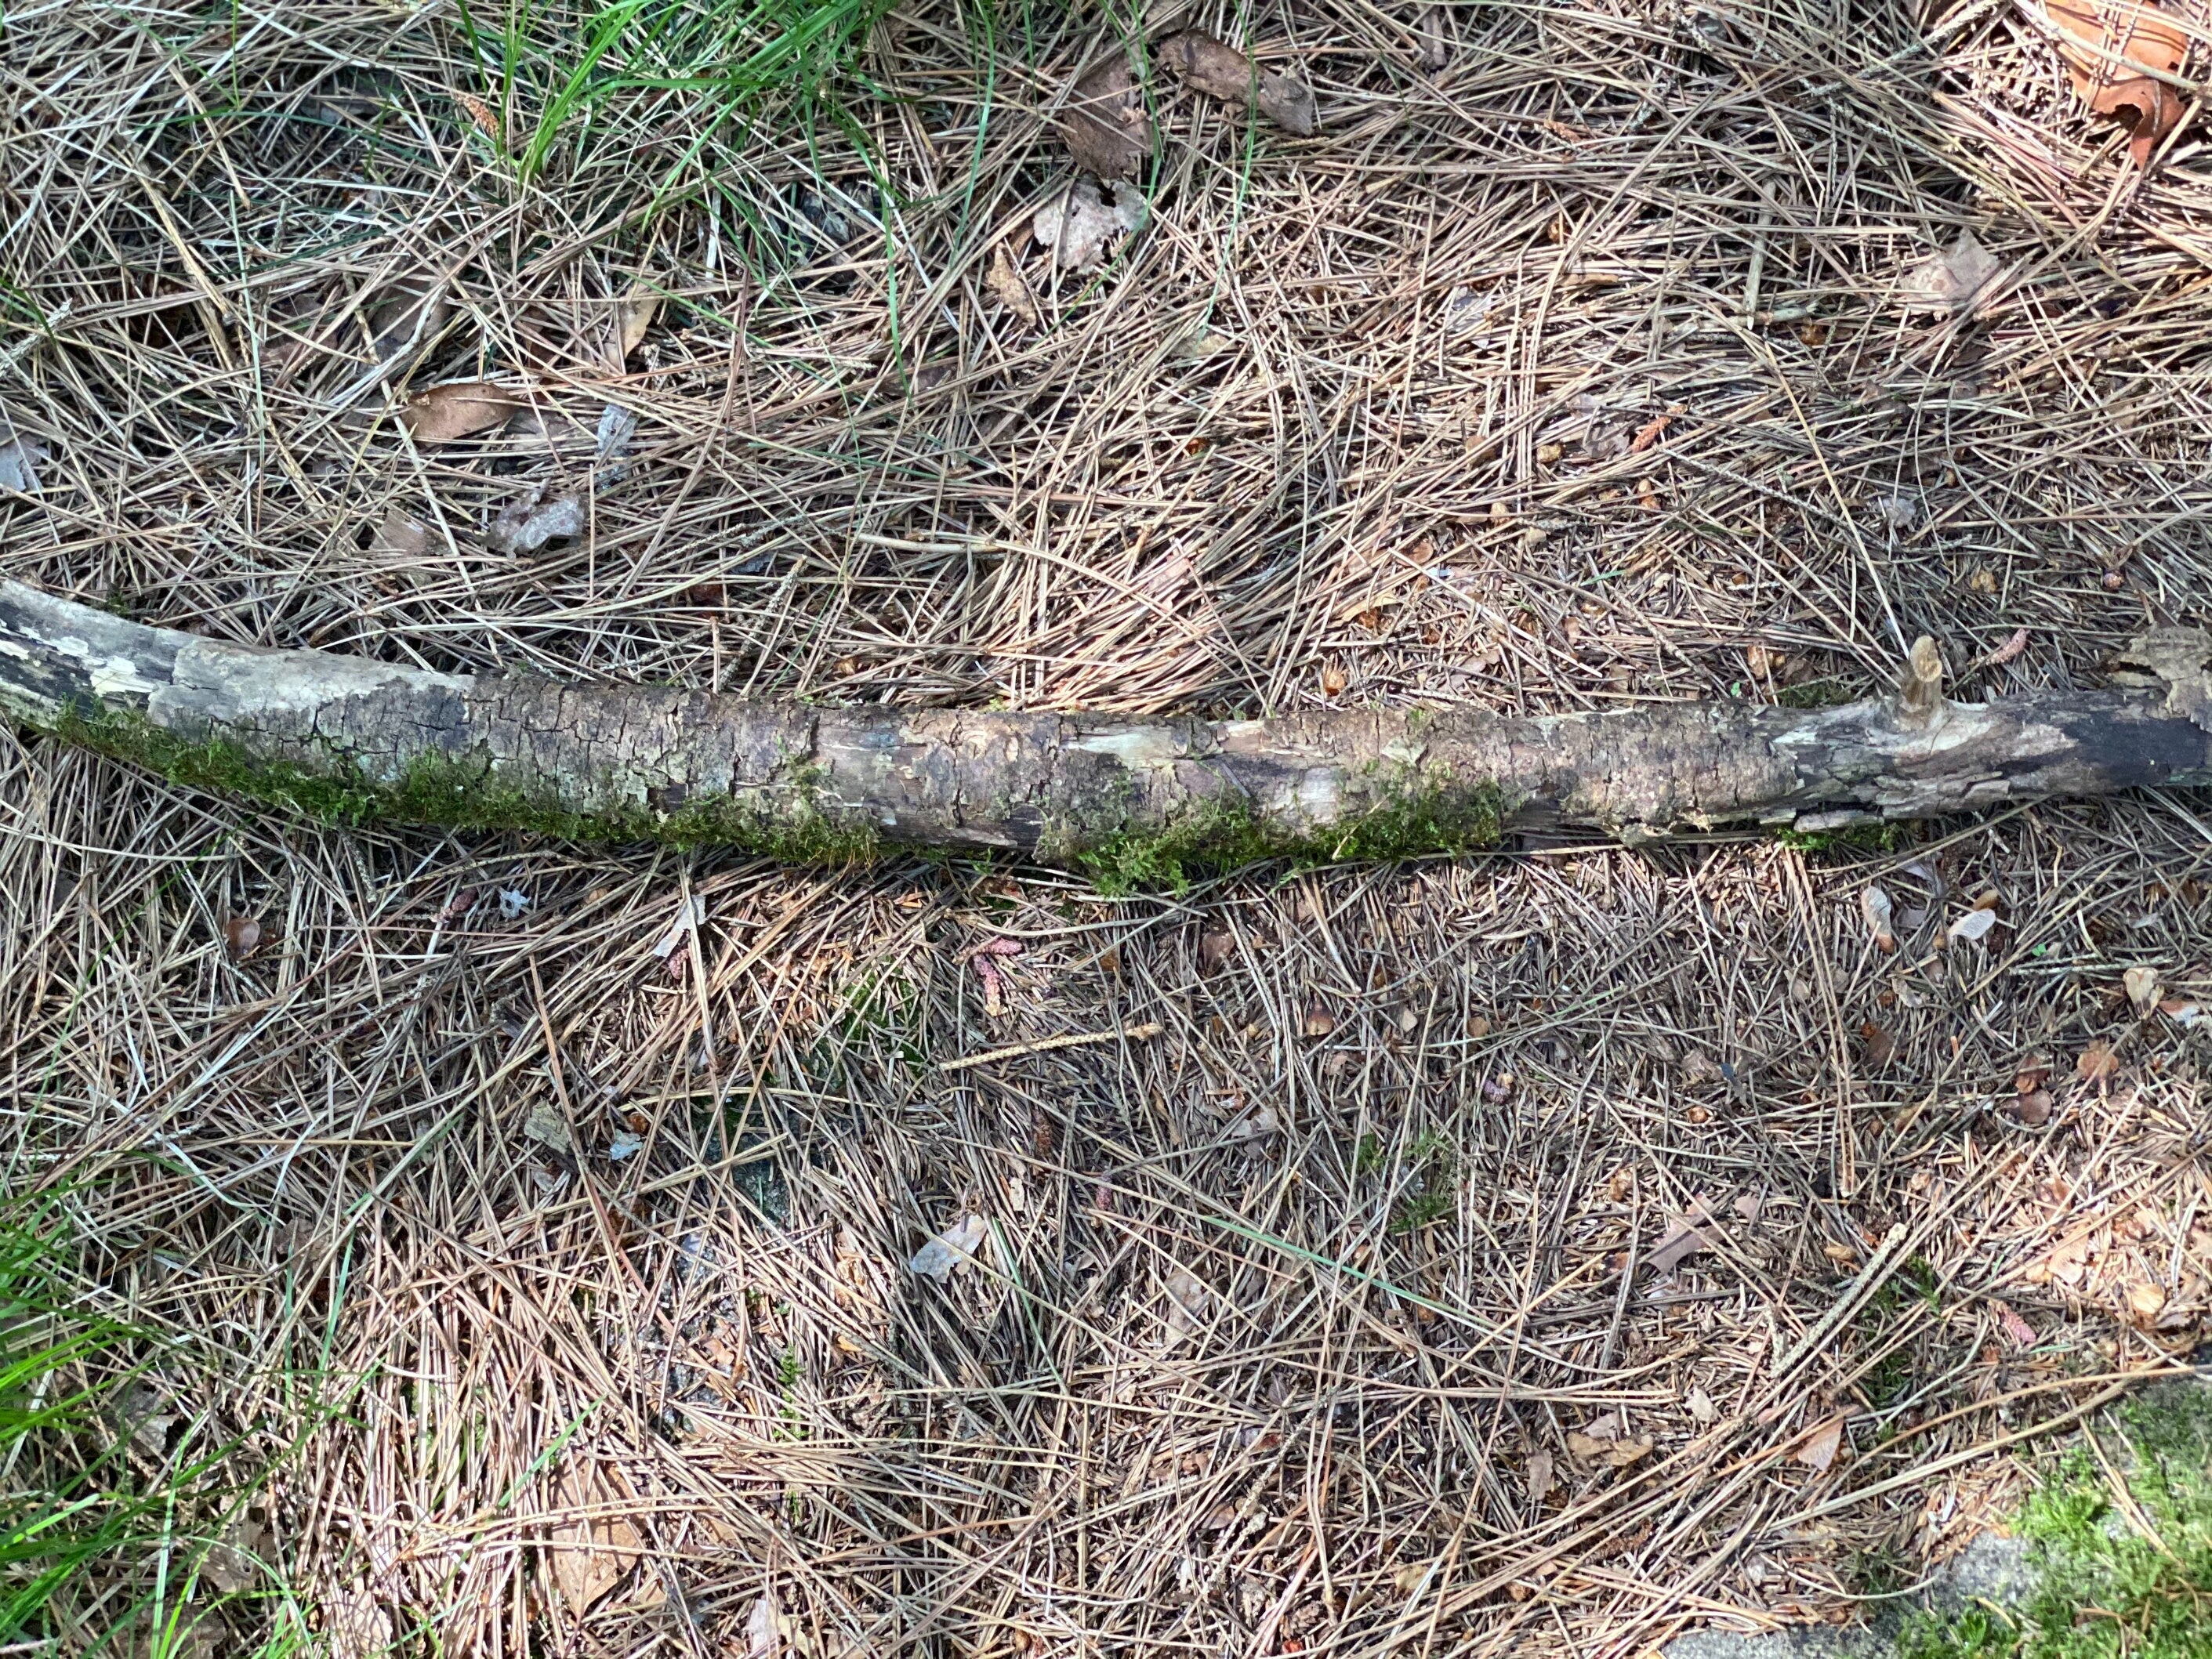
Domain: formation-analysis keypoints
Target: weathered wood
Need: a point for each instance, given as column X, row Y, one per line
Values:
column 348, row 739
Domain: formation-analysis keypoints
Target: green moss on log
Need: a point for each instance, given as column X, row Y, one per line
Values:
column 1410, row 815
column 462, row 792
column 1431, row 814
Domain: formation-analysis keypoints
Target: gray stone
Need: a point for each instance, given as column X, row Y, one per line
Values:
column 1790, row 1642
column 1990, row 1570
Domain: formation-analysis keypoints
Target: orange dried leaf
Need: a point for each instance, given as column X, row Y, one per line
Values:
column 2098, row 1062
column 2114, row 50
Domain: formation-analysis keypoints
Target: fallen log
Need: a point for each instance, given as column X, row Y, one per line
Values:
column 350, row 740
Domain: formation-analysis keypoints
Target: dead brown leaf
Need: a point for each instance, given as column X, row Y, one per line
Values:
column 1005, row 284
column 458, row 409
column 1105, row 125
column 530, row 521
column 2108, row 45
column 401, row 534
column 592, row 1550
column 633, row 317
column 1953, row 279
column 1881, row 1044
column 1818, row 1453
column 1539, row 1473
column 1079, row 225
column 1206, row 65
column 2098, row 1062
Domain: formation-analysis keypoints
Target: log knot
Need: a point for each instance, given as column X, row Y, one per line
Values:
column 1921, row 704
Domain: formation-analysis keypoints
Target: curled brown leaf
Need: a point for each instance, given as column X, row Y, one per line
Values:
column 529, row 522
column 1206, row 65
column 1005, row 284
column 1105, row 125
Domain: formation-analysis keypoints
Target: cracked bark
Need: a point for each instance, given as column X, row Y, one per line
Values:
column 640, row 760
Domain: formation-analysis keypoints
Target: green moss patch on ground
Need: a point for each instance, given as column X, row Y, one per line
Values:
column 2121, row 1539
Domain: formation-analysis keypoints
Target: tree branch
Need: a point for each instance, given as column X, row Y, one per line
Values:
column 348, row 739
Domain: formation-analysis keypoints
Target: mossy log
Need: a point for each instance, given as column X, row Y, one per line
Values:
column 350, row 740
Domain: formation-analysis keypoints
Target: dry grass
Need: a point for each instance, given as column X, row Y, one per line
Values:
column 1277, row 1326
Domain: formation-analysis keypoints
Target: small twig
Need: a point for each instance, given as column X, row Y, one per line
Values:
column 1047, row 1045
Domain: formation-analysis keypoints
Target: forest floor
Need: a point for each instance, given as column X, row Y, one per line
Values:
column 1552, row 1251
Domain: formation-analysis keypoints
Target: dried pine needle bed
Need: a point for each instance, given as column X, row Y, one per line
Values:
column 1575, row 362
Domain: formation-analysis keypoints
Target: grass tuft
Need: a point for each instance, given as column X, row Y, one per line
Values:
column 97, row 1555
